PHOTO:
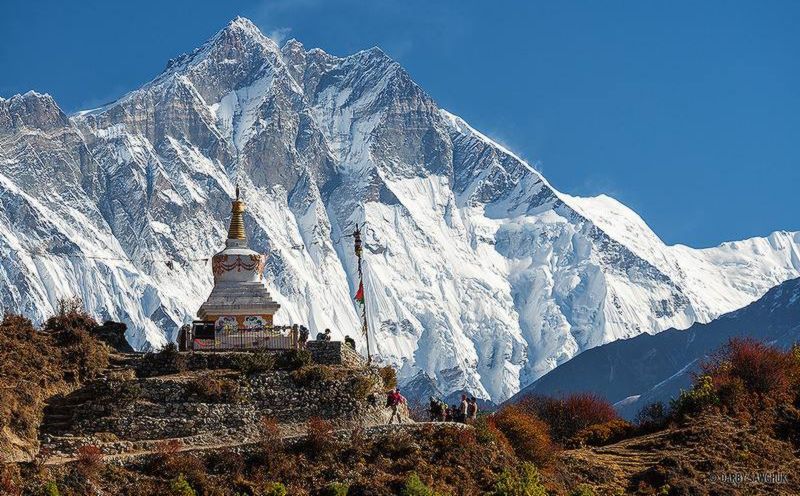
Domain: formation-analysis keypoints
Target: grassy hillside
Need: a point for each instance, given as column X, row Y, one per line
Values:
column 38, row 363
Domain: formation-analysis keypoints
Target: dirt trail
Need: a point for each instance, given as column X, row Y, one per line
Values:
column 293, row 436
column 616, row 464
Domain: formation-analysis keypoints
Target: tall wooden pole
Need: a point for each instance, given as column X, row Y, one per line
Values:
column 364, row 328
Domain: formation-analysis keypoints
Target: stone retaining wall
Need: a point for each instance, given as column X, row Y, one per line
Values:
column 127, row 414
column 321, row 352
column 335, row 353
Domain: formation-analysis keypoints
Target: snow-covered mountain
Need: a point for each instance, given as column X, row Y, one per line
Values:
column 637, row 371
column 478, row 272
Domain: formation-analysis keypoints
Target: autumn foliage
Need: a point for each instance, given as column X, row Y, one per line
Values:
column 36, row 364
column 571, row 414
column 746, row 378
column 90, row 461
column 528, row 435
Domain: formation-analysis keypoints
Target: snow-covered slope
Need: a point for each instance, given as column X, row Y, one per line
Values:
column 478, row 272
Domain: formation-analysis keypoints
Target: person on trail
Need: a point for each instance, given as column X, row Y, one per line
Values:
column 462, row 409
column 327, row 335
column 303, row 338
column 472, row 410
column 393, row 400
column 350, row 341
column 435, row 409
column 320, row 336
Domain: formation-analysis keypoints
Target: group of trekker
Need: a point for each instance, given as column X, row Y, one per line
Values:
column 465, row 412
column 326, row 336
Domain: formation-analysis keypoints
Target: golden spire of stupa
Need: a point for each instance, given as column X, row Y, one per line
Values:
column 236, row 229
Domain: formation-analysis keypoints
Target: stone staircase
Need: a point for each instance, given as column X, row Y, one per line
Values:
column 59, row 412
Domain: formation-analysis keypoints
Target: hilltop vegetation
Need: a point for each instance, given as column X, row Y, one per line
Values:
column 38, row 363
column 741, row 416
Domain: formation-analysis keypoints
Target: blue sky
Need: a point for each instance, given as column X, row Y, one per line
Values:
column 687, row 111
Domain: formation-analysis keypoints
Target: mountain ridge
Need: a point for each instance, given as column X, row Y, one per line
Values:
column 648, row 368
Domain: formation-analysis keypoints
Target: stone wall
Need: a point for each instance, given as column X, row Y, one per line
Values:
column 321, row 352
column 335, row 353
column 127, row 414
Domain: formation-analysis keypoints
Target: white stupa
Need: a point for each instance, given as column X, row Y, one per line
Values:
column 240, row 300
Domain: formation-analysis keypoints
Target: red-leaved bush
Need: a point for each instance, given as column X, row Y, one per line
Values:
column 90, row 460
column 747, row 374
column 527, row 435
column 166, row 456
column 571, row 414
column 319, row 437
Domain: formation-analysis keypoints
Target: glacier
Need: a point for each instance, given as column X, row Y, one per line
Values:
column 479, row 274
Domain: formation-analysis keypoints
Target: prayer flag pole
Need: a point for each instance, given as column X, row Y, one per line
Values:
column 360, row 293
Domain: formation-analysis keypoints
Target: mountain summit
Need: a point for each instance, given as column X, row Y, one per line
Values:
column 478, row 272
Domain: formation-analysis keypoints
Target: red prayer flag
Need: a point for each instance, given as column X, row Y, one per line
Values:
column 360, row 293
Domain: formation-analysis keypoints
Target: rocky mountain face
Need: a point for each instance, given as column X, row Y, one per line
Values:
column 647, row 368
column 478, row 272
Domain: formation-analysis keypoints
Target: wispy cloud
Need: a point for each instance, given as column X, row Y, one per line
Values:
column 279, row 35
column 272, row 16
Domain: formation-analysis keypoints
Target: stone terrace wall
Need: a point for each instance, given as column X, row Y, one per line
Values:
column 322, row 352
column 141, row 410
column 335, row 353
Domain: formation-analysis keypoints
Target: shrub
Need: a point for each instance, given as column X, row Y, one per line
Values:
column 274, row 489
column 486, row 432
column 362, row 386
column 335, row 489
column 311, row 375
column 254, row 363
column 168, row 360
column 571, row 414
column 762, row 369
column 70, row 316
column 413, row 486
column 214, row 389
column 582, row 490
column 294, row 359
column 652, row 416
column 269, row 433
column 166, row 457
column 50, row 489
column 120, row 393
column 225, row 462
column 9, row 479
column 21, row 403
column 528, row 436
column 319, row 438
column 746, row 373
column 181, row 487
column 388, row 376
column 90, row 460
column 524, row 482
column 602, row 434
column 744, row 377
column 700, row 396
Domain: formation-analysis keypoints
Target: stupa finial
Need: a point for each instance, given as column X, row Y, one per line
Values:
column 236, row 229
